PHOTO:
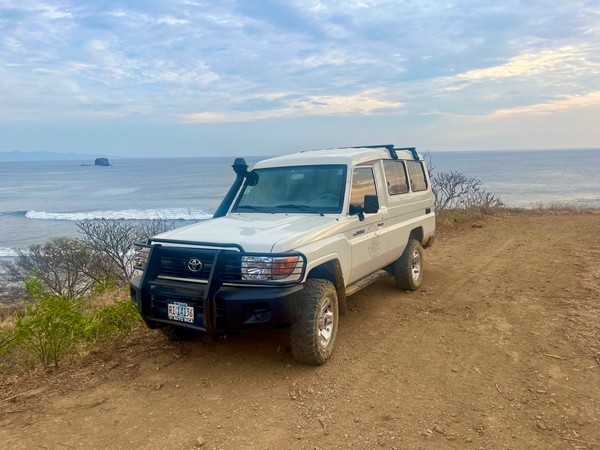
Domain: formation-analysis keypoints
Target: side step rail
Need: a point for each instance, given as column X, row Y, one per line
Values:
column 366, row 281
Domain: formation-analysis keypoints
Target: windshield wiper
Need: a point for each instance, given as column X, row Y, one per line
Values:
column 254, row 208
column 299, row 207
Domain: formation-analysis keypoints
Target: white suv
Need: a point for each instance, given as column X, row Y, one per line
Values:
column 291, row 240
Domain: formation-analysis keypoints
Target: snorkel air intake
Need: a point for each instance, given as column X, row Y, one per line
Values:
column 241, row 169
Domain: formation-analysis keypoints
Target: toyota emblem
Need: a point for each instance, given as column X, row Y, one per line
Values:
column 195, row 265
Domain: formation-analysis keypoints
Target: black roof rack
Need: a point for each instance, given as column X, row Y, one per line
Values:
column 413, row 150
column 389, row 147
column 392, row 150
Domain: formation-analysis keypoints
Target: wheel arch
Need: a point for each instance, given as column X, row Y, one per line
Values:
column 417, row 233
column 332, row 270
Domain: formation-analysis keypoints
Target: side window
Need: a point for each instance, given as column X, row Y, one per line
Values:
column 416, row 172
column 363, row 183
column 395, row 175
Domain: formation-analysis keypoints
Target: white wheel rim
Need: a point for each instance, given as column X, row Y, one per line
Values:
column 416, row 265
column 326, row 322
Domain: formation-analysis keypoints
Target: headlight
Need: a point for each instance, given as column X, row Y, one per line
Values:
column 258, row 268
column 140, row 257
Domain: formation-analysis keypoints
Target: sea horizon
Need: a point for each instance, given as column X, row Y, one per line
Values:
column 121, row 157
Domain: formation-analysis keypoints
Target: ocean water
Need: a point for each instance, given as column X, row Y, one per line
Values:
column 40, row 200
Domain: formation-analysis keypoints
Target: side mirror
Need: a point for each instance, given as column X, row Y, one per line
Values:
column 371, row 204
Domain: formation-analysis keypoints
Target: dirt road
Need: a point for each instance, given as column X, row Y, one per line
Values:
column 497, row 351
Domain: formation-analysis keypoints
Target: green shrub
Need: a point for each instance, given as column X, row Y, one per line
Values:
column 112, row 320
column 55, row 325
column 6, row 340
column 104, row 284
column 51, row 328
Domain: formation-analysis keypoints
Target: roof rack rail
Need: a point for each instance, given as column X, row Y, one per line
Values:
column 392, row 150
column 389, row 147
column 413, row 150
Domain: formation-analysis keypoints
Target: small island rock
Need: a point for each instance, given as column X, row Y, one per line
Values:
column 101, row 162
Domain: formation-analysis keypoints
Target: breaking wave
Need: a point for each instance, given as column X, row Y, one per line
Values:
column 7, row 252
column 127, row 214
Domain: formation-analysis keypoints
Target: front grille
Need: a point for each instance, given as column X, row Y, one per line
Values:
column 231, row 265
column 174, row 263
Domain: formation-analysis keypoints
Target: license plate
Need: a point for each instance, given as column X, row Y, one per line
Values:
column 181, row 312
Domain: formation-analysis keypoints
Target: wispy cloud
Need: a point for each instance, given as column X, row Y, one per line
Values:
column 555, row 106
column 363, row 104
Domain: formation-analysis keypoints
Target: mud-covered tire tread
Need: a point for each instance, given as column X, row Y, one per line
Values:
column 403, row 267
column 175, row 333
column 305, row 346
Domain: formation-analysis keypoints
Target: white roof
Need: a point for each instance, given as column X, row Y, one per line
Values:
column 346, row 156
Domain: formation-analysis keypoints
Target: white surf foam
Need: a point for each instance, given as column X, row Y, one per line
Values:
column 127, row 214
column 7, row 252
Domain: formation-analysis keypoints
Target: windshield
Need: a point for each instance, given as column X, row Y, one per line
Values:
column 313, row 189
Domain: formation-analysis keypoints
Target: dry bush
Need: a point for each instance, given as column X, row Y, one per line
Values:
column 63, row 266
column 148, row 228
column 452, row 218
column 458, row 198
column 10, row 292
column 563, row 206
column 114, row 240
column 454, row 190
column 73, row 268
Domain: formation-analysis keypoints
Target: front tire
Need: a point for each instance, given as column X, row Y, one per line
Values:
column 408, row 269
column 313, row 333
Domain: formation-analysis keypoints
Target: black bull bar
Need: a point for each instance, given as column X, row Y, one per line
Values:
column 225, row 268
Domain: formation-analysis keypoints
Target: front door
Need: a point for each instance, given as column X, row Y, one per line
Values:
column 367, row 237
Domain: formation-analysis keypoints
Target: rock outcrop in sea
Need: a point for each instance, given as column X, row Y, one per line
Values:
column 101, row 162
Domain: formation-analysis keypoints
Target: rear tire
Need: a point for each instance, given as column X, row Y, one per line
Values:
column 313, row 333
column 175, row 333
column 408, row 269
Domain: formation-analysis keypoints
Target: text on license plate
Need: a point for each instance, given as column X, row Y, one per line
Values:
column 181, row 312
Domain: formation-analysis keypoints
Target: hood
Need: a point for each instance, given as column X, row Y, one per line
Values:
column 258, row 232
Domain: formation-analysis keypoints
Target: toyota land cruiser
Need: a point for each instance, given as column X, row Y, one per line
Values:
column 291, row 240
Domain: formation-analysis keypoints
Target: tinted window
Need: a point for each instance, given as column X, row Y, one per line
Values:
column 416, row 172
column 363, row 183
column 395, row 175
column 292, row 189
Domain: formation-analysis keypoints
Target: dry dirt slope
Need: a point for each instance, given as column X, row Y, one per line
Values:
column 495, row 352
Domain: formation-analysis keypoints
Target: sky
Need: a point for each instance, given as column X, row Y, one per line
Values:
column 205, row 78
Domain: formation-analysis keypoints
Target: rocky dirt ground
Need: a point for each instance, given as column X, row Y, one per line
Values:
column 498, row 350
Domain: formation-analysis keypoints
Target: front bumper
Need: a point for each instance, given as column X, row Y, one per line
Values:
column 221, row 302
column 234, row 308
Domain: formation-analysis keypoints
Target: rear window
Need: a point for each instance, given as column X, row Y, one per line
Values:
column 395, row 175
column 416, row 172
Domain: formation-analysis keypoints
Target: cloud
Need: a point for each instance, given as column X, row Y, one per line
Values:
column 531, row 64
column 73, row 61
column 172, row 21
column 363, row 104
column 555, row 106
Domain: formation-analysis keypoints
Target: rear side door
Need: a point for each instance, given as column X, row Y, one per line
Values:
column 367, row 237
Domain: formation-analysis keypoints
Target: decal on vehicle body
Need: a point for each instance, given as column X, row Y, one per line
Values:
column 375, row 244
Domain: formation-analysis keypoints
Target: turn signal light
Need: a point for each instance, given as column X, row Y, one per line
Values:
column 284, row 266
